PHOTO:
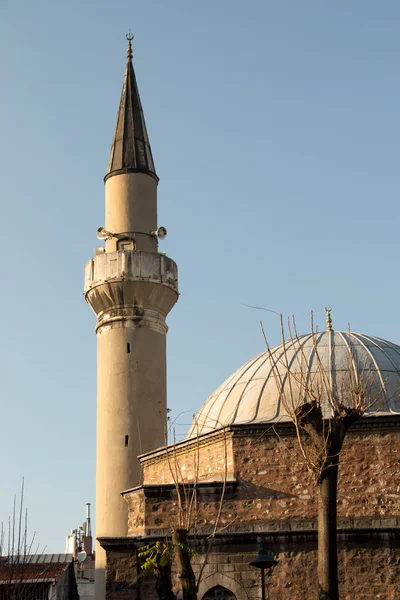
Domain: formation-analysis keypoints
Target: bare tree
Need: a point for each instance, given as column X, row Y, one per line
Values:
column 16, row 550
column 323, row 403
column 159, row 558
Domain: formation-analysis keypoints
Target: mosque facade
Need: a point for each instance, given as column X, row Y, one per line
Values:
column 240, row 473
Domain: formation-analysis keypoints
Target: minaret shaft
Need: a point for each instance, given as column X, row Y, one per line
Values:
column 131, row 210
column 131, row 414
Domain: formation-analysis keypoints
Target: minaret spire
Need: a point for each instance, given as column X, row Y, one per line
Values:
column 130, row 148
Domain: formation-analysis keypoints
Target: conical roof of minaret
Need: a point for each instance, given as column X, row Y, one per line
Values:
column 130, row 149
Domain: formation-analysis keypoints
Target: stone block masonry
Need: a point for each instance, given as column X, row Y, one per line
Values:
column 268, row 482
column 267, row 490
column 367, row 571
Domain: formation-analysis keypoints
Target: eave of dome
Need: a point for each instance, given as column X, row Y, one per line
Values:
column 252, row 394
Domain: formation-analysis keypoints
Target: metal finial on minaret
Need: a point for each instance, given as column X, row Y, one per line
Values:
column 129, row 36
column 328, row 310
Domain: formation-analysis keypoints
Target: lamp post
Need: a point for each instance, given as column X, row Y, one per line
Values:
column 263, row 560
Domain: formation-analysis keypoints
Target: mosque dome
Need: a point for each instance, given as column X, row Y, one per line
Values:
column 261, row 390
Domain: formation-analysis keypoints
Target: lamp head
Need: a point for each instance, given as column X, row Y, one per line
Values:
column 264, row 559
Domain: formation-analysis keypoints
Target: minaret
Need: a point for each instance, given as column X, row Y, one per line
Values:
column 131, row 288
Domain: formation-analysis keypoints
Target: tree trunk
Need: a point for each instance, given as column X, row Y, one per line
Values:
column 164, row 590
column 164, row 583
column 185, row 571
column 327, row 537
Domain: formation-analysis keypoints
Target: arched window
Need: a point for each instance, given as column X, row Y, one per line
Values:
column 219, row 593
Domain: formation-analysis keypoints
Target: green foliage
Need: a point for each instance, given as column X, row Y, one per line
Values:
column 159, row 556
column 156, row 557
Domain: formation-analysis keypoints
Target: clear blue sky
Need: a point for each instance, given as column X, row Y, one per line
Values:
column 275, row 131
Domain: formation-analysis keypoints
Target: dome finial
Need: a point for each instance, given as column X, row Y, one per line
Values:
column 328, row 310
column 129, row 36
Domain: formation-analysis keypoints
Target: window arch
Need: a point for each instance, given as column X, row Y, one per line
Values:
column 220, row 579
column 219, row 593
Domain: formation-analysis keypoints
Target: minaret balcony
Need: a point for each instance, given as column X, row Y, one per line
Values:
column 131, row 265
column 130, row 281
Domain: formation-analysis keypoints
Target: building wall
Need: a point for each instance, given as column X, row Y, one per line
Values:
column 367, row 570
column 121, row 575
column 86, row 590
column 275, row 482
column 66, row 588
column 272, row 481
column 205, row 459
column 266, row 490
column 294, row 576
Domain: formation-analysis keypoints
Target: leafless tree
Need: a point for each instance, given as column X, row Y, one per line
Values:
column 160, row 557
column 323, row 403
column 16, row 550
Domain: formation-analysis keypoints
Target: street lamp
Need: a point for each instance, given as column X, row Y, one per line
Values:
column 263, row 560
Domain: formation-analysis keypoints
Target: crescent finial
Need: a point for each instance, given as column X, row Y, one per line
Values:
column 129, row 36
column 328, row 310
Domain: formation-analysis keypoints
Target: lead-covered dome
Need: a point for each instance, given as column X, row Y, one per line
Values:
column 261, row 390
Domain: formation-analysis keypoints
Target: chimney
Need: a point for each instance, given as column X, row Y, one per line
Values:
column 87, row 544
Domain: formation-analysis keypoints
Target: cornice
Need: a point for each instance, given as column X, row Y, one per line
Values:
column 372, row 424
column 349, row 530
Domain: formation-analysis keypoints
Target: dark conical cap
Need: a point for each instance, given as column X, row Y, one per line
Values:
column 130, row 149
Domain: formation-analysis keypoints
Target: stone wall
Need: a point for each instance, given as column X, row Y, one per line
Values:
column 266, row 489
column 267, row 481
column 121, row 574
column 215, row 452
column 365, row 574
column 368, row 568
column 274, row 480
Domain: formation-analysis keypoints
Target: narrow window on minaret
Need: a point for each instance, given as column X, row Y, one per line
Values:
column 128, row 348
column 126, row 441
